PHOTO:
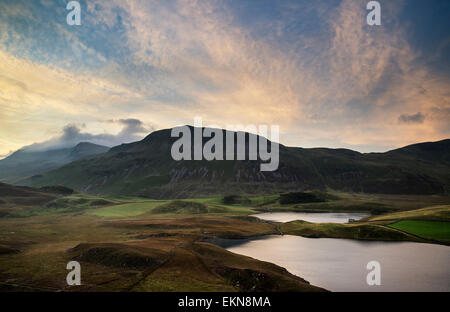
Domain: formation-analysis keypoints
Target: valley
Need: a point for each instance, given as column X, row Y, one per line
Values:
column 138, row 244
column 146, row 169
column 137, row 220
column 263, row 148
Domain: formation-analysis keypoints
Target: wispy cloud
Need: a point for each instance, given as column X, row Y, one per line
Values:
column 315, row 68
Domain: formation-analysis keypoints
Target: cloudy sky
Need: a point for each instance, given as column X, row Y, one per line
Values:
column 313, row 67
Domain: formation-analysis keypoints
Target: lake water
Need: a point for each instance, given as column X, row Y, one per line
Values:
column 314, row 217
column 340, row 264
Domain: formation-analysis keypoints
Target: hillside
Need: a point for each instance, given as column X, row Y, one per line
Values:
column 19, row 198
column 146, row 168
column 25, row 163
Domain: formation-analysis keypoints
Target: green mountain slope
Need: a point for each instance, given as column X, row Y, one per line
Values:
column 146, row 168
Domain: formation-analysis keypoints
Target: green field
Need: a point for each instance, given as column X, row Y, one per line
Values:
column 151, row 208
column 126, row 210
column 360, row 231
column 428, row 229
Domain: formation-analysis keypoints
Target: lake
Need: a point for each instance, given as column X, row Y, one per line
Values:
column 340, row 264
column 314, row 217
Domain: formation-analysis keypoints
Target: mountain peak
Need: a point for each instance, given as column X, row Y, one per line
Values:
column 86, row 148
column 83, row 145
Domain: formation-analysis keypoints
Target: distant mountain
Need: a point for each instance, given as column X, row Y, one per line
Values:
column 146, row 168
column 24, row 163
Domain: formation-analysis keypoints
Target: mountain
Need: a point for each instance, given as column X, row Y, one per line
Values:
column 146, row 168
column 25, row 163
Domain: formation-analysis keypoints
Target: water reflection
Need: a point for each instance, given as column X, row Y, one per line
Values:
column 340, row 264
column 332, row 217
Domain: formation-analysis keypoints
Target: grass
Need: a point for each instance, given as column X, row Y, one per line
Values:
column 344, row 205
column 185, row 207
column 360, row 231
column 240, row 207
column 117, row 234
column 428, row 229
column 14, row 199
column 434, row 213
column 208, row 200
column 375, row 204
column 131, row 255
column 305, row 197
column 126, row 210
column 69, row 204
column 155, row 208
column 264, row 200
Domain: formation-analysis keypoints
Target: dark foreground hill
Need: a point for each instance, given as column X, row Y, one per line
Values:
column 146, row 168
column 25, row 163
column 16, row 198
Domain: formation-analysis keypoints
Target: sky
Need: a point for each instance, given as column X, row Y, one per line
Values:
column 315, row 68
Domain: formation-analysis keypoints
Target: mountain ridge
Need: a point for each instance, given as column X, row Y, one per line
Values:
column 24, row 163
column 145, row 168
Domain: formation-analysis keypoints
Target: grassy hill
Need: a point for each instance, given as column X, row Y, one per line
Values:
column 432, row 223
column 146, row 168
column 18, row 198
column 433, row 213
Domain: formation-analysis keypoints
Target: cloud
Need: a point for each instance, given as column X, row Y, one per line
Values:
column 133, row 130
column 315, row 69
column 132, row 126
column 37, row 100
column 344, row 79
column 412, row 119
